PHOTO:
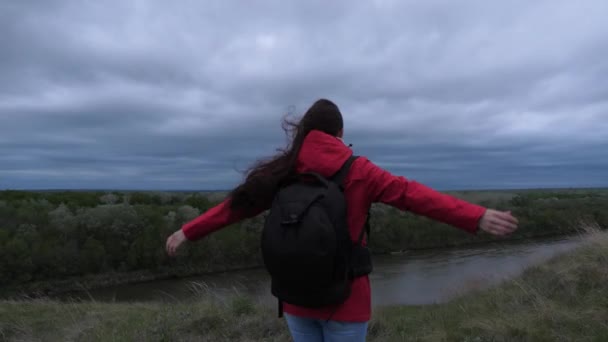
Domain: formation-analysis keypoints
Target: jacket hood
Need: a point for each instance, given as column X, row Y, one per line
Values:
column 322, row 153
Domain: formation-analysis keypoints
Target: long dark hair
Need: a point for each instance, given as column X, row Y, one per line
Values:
column 265, row 176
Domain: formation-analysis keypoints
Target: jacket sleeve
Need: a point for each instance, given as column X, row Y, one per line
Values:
column 216, row 218
column 404, row 194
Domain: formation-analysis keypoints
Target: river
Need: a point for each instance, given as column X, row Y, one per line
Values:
column 414, row 278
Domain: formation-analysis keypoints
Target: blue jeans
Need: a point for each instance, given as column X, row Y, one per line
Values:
column 319, row 330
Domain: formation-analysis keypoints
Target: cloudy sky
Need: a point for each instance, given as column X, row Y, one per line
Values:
column 185, row 94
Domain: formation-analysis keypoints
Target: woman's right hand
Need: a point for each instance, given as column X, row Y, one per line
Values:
column 174, row 241
column 498, row 222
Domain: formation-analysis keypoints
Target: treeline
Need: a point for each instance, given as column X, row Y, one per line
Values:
column 55, row 235
column 52, row 235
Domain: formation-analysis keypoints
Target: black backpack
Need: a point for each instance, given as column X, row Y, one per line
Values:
column 306, row 244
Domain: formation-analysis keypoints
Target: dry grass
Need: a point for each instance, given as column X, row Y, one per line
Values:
column 564, row 299
column 239, row 319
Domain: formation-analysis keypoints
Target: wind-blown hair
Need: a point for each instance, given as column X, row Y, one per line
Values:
column 265, row 176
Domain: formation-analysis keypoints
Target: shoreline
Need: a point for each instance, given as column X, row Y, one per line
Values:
column 79, row 285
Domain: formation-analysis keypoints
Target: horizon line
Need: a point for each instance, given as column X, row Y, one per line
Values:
column 230, row 189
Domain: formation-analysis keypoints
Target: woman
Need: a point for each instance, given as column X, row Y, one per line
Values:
column 317, row 147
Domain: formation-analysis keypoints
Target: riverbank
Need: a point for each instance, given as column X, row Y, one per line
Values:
column 563, row 299
column 81, row 286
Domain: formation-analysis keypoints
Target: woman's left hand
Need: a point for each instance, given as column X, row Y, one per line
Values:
column 499, row 223
column 174, row 241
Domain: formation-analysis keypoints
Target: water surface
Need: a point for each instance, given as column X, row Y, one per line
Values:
column 424, row 277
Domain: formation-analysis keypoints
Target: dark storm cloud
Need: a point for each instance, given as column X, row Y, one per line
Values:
column 135, row 94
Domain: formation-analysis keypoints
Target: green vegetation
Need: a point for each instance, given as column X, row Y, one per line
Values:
column 51, row 241
column 540, row 213
column 565, row 299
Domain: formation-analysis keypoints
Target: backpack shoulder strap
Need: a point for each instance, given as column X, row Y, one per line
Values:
column 339, row 178
column 340, row 175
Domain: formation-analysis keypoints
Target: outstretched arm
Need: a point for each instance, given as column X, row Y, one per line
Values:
column 404, row 194
column 212, row 220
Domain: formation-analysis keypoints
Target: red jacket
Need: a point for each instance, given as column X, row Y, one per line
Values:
column 365, row 184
